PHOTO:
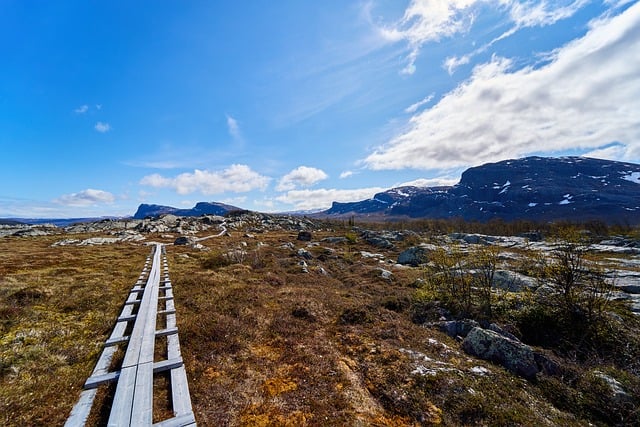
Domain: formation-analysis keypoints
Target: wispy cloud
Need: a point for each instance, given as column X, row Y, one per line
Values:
column 234, row 128
column 302, row 176
column 426, row 21
column 586, row 97
column 322, row 198
column 346, row 174
column 102, row 127
column 236, row 178
column 85, row 198
column 81, row 109
column 414, row 107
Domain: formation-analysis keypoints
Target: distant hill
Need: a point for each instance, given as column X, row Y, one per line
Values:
column 201, row 208
column 532, row 188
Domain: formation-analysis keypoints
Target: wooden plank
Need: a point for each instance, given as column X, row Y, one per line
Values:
column 166, row 365
column 138, row 360
column 142, row 410
column 167, row 331
column 115, row 341
column 185, row 420
column 121, row 407
column 82, row 409
column 96, row 380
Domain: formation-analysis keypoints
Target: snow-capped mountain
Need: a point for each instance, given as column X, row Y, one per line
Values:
column 533, row 188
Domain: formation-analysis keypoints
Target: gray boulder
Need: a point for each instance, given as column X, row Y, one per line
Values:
column 512, row 281
column 456, row 328
column 413, row 256
column 184, row 240
column 304, row 236
column 513, row 355
column 379, row 242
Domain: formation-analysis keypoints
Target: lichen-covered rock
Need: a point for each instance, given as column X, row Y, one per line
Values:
column 513, row 355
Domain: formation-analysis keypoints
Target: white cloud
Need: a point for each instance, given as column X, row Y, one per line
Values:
column 236, row 178
column 85, row 198
column 346, row 174
column 102, row 127
column 414, row 107
column 81, row 109
column 234, row 128
column 586, row 97
column 302, row 176
column 322, row 198
column 430, row 182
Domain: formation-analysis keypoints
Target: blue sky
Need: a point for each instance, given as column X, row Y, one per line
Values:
column 290, row 105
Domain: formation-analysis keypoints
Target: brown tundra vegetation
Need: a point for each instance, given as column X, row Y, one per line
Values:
column 327, row 328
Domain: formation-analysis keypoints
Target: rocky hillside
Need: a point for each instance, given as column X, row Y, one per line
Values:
column 201, row 208
column 533, row 188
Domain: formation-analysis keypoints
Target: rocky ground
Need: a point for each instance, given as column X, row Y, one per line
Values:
column 291, row 321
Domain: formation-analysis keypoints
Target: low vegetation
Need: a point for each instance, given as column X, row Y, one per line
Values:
column 277, row 331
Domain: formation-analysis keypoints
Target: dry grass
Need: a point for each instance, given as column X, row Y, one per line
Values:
column 264, row 343
column 57, row 306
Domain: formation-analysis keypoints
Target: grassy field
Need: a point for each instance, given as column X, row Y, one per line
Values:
column 267, row 341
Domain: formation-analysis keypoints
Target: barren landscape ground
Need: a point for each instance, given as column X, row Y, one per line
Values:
column 277, row 331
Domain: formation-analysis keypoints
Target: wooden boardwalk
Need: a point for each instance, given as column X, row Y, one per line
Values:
column 137, row 328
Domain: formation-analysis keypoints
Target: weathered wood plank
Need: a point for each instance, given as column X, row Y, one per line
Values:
column 120, row 414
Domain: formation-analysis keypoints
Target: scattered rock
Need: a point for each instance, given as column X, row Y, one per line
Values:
column 617, row 390
column 335, row 240
column 513, row 355
column 304, row 253
column 385, row 274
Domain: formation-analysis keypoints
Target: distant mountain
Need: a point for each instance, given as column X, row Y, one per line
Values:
column 59, row 222
column 201, row 208
column 532, row 188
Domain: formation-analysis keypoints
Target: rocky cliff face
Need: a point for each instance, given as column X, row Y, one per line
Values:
column 533, row 188
column 201, row 208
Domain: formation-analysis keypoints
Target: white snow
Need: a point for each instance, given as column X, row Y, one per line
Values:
column 532, row 204
column 564, row 202
column 633, row 177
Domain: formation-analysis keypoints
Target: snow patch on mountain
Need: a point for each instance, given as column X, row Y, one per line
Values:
column 633, row 177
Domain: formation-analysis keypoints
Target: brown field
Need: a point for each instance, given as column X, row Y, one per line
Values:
column 264, row 343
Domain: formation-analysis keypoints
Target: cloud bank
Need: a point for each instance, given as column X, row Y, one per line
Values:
column 86, row 198
column 322, row 198
column 586, row 97
column 236, row 179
